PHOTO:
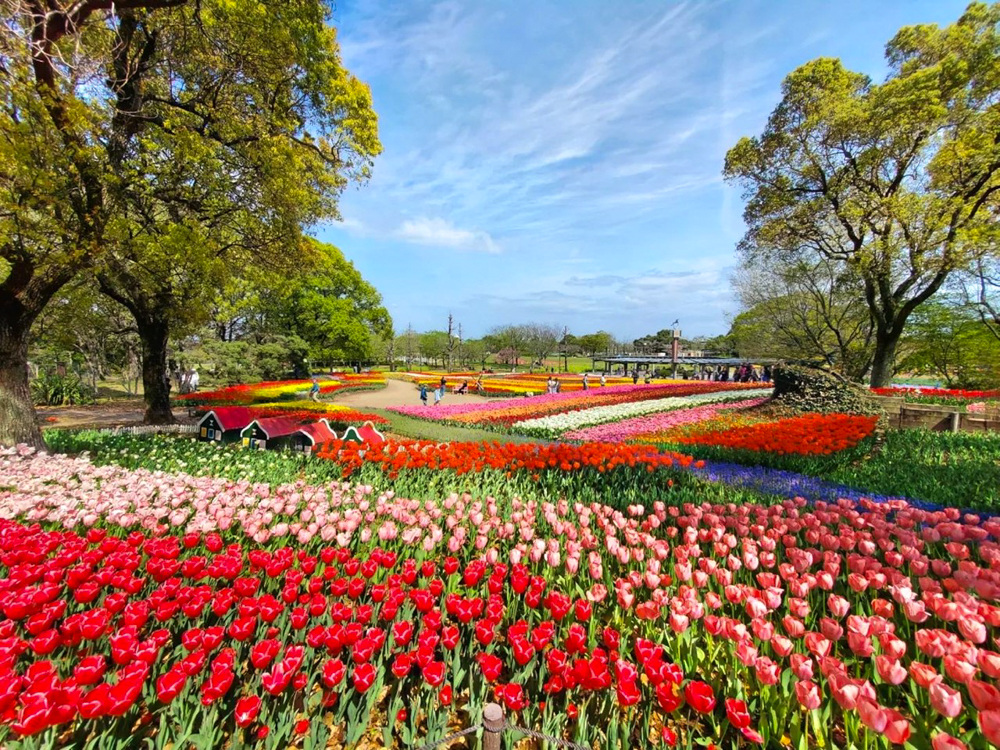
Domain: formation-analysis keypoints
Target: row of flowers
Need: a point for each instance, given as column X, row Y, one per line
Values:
column 505, row 413
column 654, row 427
column 805, row 435
column 913, row 390
column 558, row 424
column 852, row 623
column 308, row 410
column 514, row 384
column 255, row 393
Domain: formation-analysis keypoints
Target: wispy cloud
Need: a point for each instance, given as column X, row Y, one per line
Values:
column 442, row 233
column 586, row 145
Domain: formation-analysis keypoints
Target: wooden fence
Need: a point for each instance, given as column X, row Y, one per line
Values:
column 906, row 416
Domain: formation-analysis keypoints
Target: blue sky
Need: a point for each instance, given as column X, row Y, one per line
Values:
column 560, row 161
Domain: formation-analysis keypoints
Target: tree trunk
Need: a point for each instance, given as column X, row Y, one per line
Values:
column 18, row 421
column 884, row 360
column 155, row 376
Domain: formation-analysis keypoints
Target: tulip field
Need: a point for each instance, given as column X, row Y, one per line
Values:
column 282, row 390
column 602, row 584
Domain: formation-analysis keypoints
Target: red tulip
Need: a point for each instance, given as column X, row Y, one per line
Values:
column 333, row 673
column 434, row 673
column 364, row 677
column 700, row 696
column 170, row 685
column 247, row 710
column 736, row 711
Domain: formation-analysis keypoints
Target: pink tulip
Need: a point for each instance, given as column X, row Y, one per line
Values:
column 944, row 741
column 890, row 670
column 897, row 728
column 807, row 694
column 945, row 700
column 872, row 715
column 989, row 725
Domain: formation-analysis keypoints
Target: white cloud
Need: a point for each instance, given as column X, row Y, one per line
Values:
column 442, row 233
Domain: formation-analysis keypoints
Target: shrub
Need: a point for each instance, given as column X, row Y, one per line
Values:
column 807, row 389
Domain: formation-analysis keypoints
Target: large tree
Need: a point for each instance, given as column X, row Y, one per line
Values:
column 55, row 202
column 227, row 112
column 896, row 180
column 139, row 134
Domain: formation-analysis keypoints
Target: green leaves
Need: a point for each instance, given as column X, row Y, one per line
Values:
column 893, row 181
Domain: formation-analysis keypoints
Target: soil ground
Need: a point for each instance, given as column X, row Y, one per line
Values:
column 400, row 393
column 118, row 413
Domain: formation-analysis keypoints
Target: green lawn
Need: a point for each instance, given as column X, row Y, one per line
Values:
column 960, row 470
column 422, row 429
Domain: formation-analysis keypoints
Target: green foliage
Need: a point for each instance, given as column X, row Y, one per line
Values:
column 234, row 362
column 52, row 389
column 961, row 470
column 173, row 454
column 954, row 344
column 896, row 182
column 810, row 390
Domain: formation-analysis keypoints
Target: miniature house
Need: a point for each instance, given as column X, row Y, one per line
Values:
column 223, row 424
column 364, row 434
column 270, row 432
column 309, row 436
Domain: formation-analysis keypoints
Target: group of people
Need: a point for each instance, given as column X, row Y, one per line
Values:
column 743, row 374
column 185, row 381
column 442, row 385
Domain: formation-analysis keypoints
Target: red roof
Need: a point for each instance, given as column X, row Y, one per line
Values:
column 274, row 427
column 318, row 432
column 231, row 417
column 370, row 435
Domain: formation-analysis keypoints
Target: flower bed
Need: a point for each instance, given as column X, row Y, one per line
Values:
column 504, row 414
column 557, row 424
column 830, row 625
column 278, row 390
column 654, row 428
column 807, row 435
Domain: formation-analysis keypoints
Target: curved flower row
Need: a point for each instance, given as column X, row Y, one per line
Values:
column 506, row 412
column 615, row 628
column 556, row 424
column 640, row 428
column 283, row 389
column 394, row 456
column 807, row 435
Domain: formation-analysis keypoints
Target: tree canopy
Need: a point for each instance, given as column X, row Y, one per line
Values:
column 897, row 181
column 163, row 145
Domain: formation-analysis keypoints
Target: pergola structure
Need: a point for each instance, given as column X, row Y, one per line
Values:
column 611, row 360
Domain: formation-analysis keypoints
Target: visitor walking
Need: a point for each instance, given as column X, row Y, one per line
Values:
column 438, row 395
column 586, row 382
column 648, row 379
column 604, row 380
column 193, row 381
column 635, row 376
column 423, row 394
column 314, row 391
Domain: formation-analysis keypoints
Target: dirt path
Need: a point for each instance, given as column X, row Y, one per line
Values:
column 110, row 414
column 399, row 393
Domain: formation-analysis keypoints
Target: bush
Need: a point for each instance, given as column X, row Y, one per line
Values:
column 807, row 389
column 60, row 390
